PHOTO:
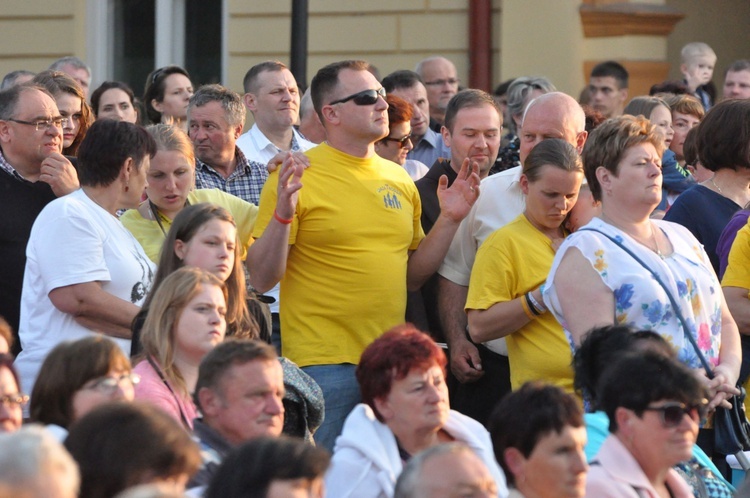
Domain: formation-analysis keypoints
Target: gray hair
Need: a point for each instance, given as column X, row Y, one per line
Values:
column 33, row 461
column 306, row 104
column 520, row 90
column 71, row 60
column 420, row 65
column 9, row 98
column 10, row 79
column 407, row 485
column 231, row 102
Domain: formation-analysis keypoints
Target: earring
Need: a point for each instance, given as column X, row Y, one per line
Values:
column 127, row 187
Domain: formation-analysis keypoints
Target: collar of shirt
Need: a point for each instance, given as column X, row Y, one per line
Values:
column 431, row 138
column 242, row 165
column 261, row 149
column 6, row 166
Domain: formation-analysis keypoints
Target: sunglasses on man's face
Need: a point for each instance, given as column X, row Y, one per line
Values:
column 672, row 413
column 365, row 97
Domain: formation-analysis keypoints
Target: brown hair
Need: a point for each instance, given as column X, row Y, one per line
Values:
column 120, row 445
column 723, row 138
column 65, row 370
column 167, row 304
column 186, row 224
column 608, row 142
column 551, row 152
column 686, row 104
column 326, row 80
column 57, row 82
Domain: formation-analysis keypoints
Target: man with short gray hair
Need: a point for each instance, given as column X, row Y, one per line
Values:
column 239, row 391
column 33, row 173
column 439, row 77
column 76, row 69
column 18, row 77
column 216, row 116
column 447, row 470
column 34, row 464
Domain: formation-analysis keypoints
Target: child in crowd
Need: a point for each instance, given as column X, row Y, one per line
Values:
column 698, row 61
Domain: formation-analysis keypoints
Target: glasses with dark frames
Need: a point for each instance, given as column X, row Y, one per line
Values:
column 673, row 412
column 400, row 141
column 365, row 97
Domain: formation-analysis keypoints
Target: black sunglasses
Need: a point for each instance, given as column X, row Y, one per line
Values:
column 365, row 97
column 401, row 141
column 673, row 412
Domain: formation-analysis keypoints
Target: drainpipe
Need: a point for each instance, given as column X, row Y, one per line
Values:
column 298, row 56
column 480, row 44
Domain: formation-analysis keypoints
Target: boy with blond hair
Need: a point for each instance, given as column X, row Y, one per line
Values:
column 698, row 61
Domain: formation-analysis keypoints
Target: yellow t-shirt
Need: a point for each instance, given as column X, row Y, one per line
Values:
column 345, row 281
column 512, row 261
column 737, row 273
column 148, row 233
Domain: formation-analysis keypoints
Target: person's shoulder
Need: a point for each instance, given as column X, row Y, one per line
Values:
column 501, row 180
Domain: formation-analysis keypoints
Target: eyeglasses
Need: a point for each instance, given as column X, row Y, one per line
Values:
column 400, row 141
column 11, row 400
column 673, row 412
column 43, row 124
column 108, row 385
column 449, row 81
column 365, row 97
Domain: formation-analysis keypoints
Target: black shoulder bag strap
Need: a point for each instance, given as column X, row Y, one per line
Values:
column 675, row 306
column 174, row 394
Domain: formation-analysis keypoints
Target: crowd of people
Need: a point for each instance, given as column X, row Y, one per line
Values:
column 387, row 287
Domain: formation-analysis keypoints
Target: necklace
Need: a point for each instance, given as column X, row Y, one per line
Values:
column 717, row 187
column 654, row 240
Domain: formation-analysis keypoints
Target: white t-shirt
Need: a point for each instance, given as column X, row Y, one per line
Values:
column 500, row 202
column 74, row 241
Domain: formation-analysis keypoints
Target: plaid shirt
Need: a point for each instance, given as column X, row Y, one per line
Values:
column 245, row 182
column 5, row 166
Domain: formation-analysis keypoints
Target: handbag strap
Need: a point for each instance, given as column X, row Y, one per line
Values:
column 672, row 301
column 163, row 378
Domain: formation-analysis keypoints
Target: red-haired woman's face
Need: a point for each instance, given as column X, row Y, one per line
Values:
column 416, row 403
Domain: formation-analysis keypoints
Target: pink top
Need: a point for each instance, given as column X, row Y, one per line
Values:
column 618, row 475
column 153, row 390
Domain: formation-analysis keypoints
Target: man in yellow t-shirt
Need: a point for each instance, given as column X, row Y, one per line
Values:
column 349, row 243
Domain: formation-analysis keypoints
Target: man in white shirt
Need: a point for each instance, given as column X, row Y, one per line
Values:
column 552, row 115
column 272, row 96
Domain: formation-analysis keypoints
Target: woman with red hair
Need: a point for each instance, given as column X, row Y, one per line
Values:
column 398, row 143
column 401, row 376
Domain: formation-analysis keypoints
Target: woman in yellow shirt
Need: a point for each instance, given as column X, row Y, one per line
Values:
column 504, row 291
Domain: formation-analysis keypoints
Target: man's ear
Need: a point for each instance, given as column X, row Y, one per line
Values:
column 249, row 100
column 445, row 132
column 5, row 132
column 581, row 140
column 208, row 401
column 330, row 115
column 238, row 130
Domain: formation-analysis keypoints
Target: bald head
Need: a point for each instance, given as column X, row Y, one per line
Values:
column 552, row 115
column 440, row 79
